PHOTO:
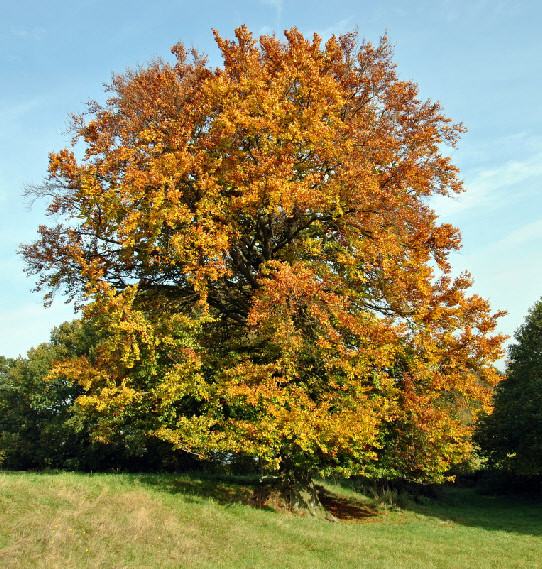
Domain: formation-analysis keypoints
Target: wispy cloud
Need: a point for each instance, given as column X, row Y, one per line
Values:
column 34, row 33
column 526, row 234
column 495, row 187
column 340, row 27
column 452, row 11
column 277, row 5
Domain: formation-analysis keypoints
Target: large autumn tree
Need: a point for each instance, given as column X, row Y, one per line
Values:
column 258, row 243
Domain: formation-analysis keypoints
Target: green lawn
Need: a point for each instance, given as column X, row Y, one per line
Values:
column 73, row 521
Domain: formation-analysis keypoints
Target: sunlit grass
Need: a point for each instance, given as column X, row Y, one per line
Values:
column 163, row 521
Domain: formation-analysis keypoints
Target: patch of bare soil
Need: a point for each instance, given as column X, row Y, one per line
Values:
column 343, row 510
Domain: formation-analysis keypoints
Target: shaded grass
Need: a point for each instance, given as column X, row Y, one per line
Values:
column 504, row 514
column 165, row 521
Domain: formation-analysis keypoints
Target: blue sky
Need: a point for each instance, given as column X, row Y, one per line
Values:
column 481, row 59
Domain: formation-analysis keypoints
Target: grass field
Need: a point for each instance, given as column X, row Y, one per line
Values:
column 73, row 521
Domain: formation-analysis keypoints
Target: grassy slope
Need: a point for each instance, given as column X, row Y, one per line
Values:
column 159, row 521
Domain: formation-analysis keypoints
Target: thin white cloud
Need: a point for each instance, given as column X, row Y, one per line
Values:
column 494, row 187
column 27, row 33
column 527, row 234
column 452, row 11
column 276, row 4
column 338, row 28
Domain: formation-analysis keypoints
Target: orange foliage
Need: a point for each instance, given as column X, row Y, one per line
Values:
column 257, row 244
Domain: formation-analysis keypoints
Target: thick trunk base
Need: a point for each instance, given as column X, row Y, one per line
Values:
column 302, row 498
column 299, row 493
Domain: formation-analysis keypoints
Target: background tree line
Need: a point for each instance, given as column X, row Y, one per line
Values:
column 42, row 427
column 510, row 438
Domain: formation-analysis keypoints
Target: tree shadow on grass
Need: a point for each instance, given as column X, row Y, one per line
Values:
column 344, row 509
column 250, row 491
column 466, row 507
column 520, row 514
column 223, row 490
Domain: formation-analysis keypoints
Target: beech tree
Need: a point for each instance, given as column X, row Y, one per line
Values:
column 511, row 437
column 258, row 244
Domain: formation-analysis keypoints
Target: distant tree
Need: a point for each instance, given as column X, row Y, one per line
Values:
column 42, row 427
column 36, row 417
column 256, row 244
column 511, row 437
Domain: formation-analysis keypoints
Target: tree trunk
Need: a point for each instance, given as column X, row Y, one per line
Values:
column 297, row 489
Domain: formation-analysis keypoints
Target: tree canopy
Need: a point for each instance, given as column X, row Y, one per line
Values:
column 257, row 244
column 511, row 437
